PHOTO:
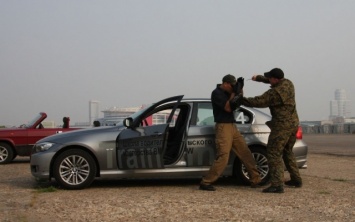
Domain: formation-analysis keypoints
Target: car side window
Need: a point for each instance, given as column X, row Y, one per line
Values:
column 161, row 117
column 205, row 115
column 242, row 116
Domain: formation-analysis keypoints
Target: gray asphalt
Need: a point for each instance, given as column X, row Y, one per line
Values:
column 333, row 144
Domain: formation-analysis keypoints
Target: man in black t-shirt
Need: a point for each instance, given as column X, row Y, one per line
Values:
column 224, row 102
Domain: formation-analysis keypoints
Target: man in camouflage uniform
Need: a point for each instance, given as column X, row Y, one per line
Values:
column 284, row 124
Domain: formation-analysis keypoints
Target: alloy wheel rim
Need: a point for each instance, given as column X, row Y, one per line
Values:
column 74, row 170
column 3, row 154
column 261, row 165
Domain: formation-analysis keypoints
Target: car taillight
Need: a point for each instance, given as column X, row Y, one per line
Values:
column 299, row 133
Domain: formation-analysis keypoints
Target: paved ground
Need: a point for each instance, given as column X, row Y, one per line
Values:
column 335, row 144
column 328, row 194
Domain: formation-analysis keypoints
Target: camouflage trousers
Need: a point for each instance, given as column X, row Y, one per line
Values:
column 228, row 137
column 279, row 152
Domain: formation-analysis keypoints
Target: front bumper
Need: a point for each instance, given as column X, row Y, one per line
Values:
column 41, row 165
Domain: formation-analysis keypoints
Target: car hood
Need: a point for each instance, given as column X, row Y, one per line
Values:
column 84, row 135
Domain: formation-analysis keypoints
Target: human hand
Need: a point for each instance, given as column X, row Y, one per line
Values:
column 236, row 101
column 240, row 80
column 237, row 88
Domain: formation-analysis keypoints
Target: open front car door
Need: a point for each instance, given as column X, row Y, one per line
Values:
column 142, row 144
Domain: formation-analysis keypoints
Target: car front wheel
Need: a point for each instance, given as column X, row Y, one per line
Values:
column 259, row 154
column 6, row 153
column 74, row 169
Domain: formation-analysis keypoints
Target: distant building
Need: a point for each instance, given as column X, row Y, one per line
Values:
column 81, row 124
column 48, row 124
column 340, row 106
column 114, row 115
column 94, row 107
column 349, row 120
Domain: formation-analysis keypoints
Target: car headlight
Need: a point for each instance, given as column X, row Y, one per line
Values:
column 40, row 147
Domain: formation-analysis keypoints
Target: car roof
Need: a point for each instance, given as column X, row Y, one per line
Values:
column 196, row 100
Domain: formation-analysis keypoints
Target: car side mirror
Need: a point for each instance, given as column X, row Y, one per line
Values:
column 128, row 122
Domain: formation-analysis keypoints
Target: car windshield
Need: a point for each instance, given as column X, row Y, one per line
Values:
column 139, row 112
column 33, row 121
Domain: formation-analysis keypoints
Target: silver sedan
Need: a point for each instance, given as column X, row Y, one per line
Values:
column 170, row 138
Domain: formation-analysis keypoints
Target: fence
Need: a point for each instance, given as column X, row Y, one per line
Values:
column 329, row 129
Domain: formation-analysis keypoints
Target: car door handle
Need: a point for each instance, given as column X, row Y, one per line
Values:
column 157, row 134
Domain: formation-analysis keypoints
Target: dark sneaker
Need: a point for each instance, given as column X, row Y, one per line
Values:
column 293, row 183
column 255, row 185
column 261, row 184
column 207, row 187
column 274, row 189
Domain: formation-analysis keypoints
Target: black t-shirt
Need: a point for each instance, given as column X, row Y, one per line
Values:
column 219, row 99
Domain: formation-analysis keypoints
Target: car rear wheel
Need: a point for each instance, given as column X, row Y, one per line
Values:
column 6, row 153
column 259, row 154
column 74, row 169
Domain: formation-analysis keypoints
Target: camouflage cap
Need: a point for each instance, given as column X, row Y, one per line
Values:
column 230, row 79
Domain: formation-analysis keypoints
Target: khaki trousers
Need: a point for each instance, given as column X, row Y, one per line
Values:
column 228, row 137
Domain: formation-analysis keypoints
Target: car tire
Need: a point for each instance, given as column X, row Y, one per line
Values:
column 7, row 154
column 259, row 154
column 74, row 169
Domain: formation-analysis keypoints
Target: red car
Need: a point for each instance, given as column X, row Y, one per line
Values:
column 19, row 141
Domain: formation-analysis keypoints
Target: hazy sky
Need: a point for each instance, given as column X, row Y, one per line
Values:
column 55, row 56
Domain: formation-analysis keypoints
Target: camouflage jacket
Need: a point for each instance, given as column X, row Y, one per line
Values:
column 281, row 101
